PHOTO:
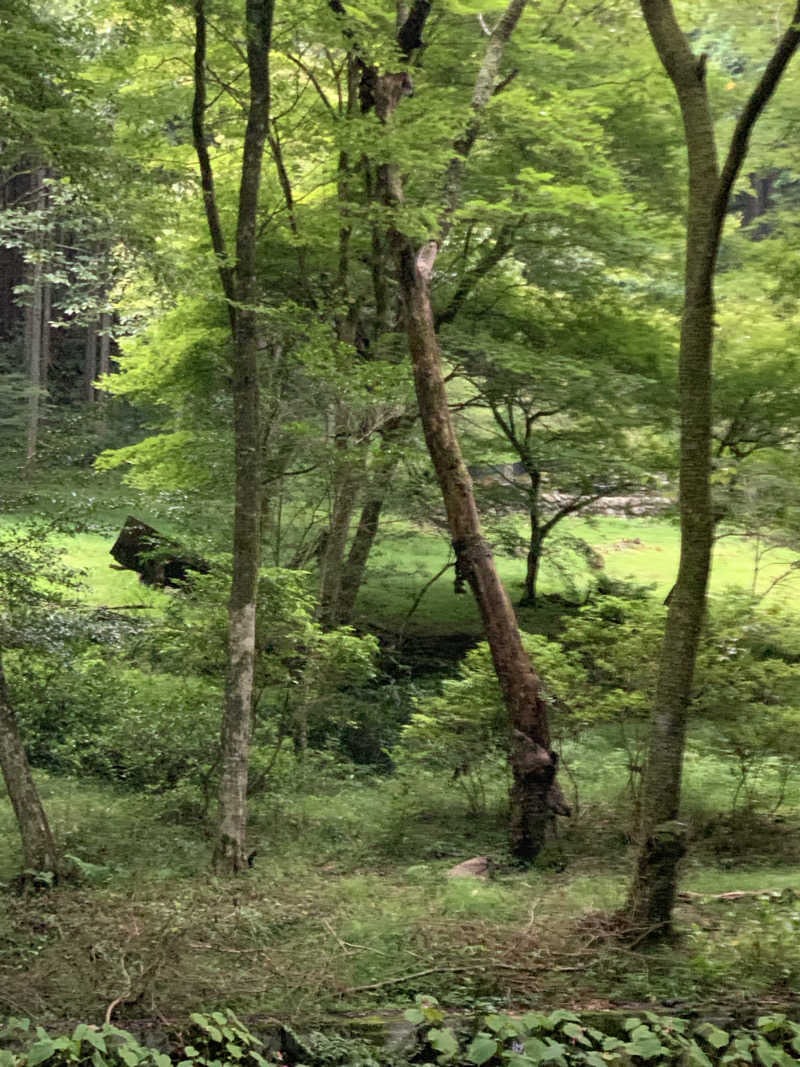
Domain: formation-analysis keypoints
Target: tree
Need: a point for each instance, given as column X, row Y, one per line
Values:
column 240, row 286
column 534, row 793
column 567, row 384
column 34, row 589
column 661, row 835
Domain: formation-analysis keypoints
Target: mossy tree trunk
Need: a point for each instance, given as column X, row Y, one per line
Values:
column 240, row 287
column 39, row 852
column 662, row 842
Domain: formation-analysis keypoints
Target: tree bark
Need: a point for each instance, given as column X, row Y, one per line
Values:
column 33, row 336
column 105, row 343
column 39, row 852
column 662, row 840
column 534, row 793
column 346, row 478
column 47, row 314
column 534, row 555
column 356, row 566
column 240, row 287
column 90, row 363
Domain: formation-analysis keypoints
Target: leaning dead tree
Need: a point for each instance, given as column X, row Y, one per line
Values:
column 535, row 795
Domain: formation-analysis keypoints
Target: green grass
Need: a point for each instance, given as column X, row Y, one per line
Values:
column 642, row 550
column 349, row 907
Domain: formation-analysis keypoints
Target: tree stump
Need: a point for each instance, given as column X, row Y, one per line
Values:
column 158, row 560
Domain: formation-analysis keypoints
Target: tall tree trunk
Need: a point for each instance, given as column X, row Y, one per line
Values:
column 105, row 343
column 90, row 363
column 662, row 841
column 240, row 287
column 534, row 795
column 39, row 851
column 534, row 792
column 534, row 556
column 347, row 477
column 47, row 314
column 33, row 334
column 355, row 569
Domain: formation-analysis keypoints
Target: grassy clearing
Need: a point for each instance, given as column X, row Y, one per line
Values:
column 348, row 907
column 641, row 550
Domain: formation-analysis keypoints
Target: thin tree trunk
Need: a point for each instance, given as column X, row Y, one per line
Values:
column 534, row 556
column 347, row 476
column 662, row 837
column 105, row 343
column 355, row 569
column 34, row 365
column 90, row 363
column 240, row 286
column 47, row 314
column 39, row 851
column 532, row 564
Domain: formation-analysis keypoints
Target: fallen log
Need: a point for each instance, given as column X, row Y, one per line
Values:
column 739, row 894
column 158, row 560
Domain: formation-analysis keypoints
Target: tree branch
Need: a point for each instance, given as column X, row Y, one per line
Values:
column 759, row 98
column 204, row 160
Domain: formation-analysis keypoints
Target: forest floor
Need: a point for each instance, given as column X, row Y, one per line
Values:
column 348, row 909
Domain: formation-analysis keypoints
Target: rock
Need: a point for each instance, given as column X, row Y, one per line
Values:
column 477, row 867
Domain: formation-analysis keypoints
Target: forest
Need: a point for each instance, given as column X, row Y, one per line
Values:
column 399, row 533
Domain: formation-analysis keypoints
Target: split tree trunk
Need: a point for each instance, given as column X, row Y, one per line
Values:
column 534, row 792
column 662, row 841
column 39, row 852
column 534, row 795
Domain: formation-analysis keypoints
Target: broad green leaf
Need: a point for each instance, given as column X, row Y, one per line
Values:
column 40, row 1052
column 481, row 1049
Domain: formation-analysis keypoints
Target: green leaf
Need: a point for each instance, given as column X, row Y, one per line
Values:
column 576, row 1033
column 767, row 1023
column 414, row 1015
column 40, row 1052
column 713, row 1035
column 444, row 1041
column 595, row 1059
column 696, row 1056
column 95, row 1039
column 561, row 1016
column 129, row 1056
column 769, row 1056
column 481, row 1049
